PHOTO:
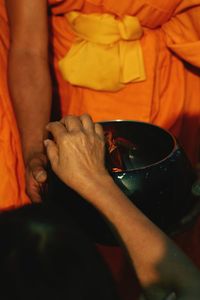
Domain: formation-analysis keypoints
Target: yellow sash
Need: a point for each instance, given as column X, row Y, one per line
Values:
column 106, row 54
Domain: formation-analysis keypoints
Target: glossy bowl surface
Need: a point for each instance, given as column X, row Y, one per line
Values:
column 149, row 166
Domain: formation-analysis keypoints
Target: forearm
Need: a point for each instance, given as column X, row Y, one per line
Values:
column 159, row 264
column 133, row 227
column 30, row 88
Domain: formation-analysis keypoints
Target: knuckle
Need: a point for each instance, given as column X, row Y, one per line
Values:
column 63, row 138
column 81, row 135
column 70, row 118
column 86, row 117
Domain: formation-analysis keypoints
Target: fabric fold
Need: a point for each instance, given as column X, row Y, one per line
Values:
column 106, row 54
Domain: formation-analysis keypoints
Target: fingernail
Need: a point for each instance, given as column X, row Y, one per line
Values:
column 41, row 176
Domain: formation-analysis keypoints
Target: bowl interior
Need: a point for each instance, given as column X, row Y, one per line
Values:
column 133, row 145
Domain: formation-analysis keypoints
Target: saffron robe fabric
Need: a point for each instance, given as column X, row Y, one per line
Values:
column 169, row 97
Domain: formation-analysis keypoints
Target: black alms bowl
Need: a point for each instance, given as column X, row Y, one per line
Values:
column 149, row 166
column 151, row 169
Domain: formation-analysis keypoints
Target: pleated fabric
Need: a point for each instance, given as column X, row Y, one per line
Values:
column 12, row 184
column 169, row 97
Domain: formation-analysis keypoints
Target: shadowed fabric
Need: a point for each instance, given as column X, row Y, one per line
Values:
column 169, row 97
column 45, row 255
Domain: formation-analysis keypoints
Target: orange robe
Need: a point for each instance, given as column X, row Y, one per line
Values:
column 169, row 97
column 12, row 185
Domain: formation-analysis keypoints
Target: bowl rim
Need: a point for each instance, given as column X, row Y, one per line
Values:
column 175, row 147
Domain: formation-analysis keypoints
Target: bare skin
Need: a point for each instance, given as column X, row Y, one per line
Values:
column 162, row 269
column 30, row 85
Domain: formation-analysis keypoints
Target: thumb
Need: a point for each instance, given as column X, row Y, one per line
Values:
column 52, row 152
column 39, row 173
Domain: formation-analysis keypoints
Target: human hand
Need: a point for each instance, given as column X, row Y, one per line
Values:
column 77, row 152
column 36, row 176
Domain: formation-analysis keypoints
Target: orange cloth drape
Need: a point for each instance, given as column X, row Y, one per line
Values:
column 12, row 186
column 169, row 97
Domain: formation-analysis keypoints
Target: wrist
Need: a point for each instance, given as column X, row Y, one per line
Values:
column 95, row 184
column 102, row 192
column 33, row 148
column 37, row 154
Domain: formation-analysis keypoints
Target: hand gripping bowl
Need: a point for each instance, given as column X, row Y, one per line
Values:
column 149, row 166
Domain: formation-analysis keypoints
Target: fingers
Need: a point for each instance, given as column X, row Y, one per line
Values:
column 52, row 152
column 36, row 178
column 72, row 123
column 34, row 194
column 36, row 175
column 99, row 131
column 39, row 173
column 36, row 167
column 57, row 129
column 87, row 123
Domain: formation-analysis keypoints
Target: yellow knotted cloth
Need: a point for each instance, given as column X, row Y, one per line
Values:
column 106, row 54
